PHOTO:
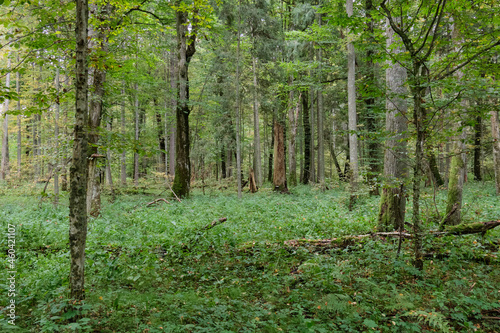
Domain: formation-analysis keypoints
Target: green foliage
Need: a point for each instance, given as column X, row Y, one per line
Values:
column 155, row 268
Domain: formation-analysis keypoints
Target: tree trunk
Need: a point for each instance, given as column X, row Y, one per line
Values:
column 351, row 98
column 495, row 133
column 457, row 168
column 136, row 135
column 109, row 176
column 123, row 159
column 271, row 157
column 56, row 137
column 78, row 170
column 173, row 102
column 257, row 164
column 321, row 146
column 100, row 42
column 293, row 115
column 238, row 114
column 477, row 148
column 279, row 174
column 4, row 169
column 307, row 138
column 19, row 143
column 312, row 165
column 392, row 200
column 161, row 142
column 186, row 49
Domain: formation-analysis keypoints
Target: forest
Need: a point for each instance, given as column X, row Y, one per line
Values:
column 250, row 165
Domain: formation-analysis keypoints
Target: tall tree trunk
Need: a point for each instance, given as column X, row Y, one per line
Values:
column 238, row 114
column 351, row 99
column 257, row 164
column 373, row 152
column 56, row 136
column 495, row 133
column 392, row 200
column 173, row 102
column 307, row 138
column 279, row 174
column 477, row 148
column 457, row 168
column 4, row 169
column 109, row 176
column 321, row 146
column 293, row 115
column 100, row 42
column 136, row 135
column 65, row 160
column 271, row 158
column 312, row 165
column 19, row 141
column 123, row 159
column 78, row 170
column 186, row 49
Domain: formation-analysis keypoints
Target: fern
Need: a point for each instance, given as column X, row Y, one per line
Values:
column 434, row 319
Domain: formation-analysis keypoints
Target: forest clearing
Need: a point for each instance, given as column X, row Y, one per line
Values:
column 250, row 166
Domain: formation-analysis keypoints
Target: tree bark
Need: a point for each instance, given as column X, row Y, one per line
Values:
column 78, row 170
column 19, row 141
column 56, row 137
column 392, row 200
column 495, row 133
column 321, row 146
column 477, row 148
column 293, row 115
column 271, row 157
column 257, row 164
column 161, row 142
column 186, row 49
column 136, row 135
column 279, row 174
column 100, row 42
column 173, row 102
column 238, row 114
column 123, row 159
column 307, row 138
column 351, row 98
column 4, row 168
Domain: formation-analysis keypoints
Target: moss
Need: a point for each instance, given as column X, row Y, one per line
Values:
column 454, row 192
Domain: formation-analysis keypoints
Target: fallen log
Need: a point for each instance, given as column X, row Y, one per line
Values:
column 156, row 201
column 209, row 226
column 471, row 228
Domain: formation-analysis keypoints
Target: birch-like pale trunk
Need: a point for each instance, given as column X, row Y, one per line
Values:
column 78, row 170
column 136, row 135
column 19, row 141
column 293, row 115
column 4, row 168
column 392, row 200
column 257, row 163
column 351, row 103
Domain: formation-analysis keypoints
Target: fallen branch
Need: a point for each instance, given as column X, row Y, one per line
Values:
column 170, row 187
column 471, row 228
column 156, row 201
column 214, row 223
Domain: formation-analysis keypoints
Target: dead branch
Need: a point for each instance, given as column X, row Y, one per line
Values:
column 214, row 223
column 156, row 201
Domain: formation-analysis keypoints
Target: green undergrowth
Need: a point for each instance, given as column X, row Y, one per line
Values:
column 151, row 269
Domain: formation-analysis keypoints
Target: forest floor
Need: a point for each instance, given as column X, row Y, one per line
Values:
column 156, row 269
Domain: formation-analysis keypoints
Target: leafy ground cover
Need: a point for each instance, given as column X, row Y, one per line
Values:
column 151, row 269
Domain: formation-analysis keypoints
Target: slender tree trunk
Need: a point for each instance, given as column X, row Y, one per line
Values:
column 279, row 174
column 136, row 135
column 321, row 145
column 56, row 136
column 307, row 138
column 4, row 169
column 392, row 200
column 351, row 98
column 293, row 114
column 173, row 102
column 109, row 176
column 19, row 141
column 161, row 142
column 257, row 164
column 78, row 170
column 186, row 50
column 312, row 165
column 123, row 159
column 477, row 148
column 238, row 115
column 495, row 133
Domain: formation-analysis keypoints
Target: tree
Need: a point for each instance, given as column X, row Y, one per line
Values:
column 4, row 168
column 393, row 200
column 79, row 167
